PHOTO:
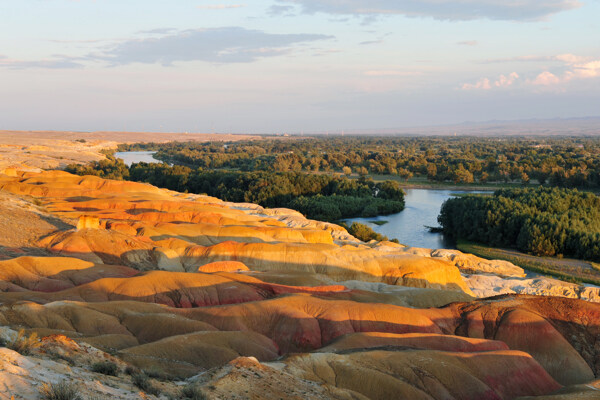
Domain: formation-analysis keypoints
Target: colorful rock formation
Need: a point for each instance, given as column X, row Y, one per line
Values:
column 252, row 303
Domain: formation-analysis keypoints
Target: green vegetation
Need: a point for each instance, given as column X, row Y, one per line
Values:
column 142, row 381
column 322, row 197
column 110, row 168
column 192, row 392
column 335, row 207
column 106, row 368
column 59, row 391
column 566, row 270
column 365, row 233
column 542, row 221
column 562, row 162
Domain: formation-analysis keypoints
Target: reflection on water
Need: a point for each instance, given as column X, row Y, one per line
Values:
column 130, row 157
column 408, row 226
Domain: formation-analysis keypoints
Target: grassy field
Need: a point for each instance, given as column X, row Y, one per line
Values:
column 424, row 183
column 565, row 269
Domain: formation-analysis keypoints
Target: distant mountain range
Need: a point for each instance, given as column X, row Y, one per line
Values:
column 585, row 126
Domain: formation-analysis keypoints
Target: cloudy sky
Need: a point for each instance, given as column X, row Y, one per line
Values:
column 294, row 65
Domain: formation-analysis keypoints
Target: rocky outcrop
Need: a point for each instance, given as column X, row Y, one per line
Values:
column 470, row 264
column 22, row 377
column 187, row 355
column 247, row 378
column 492, row 285
column 88, row 222
column 53, row 274
column 427, row 374
column 562, row 334
column 223, row 266
column 429, row 341
column 588, row 391
column 338, row 263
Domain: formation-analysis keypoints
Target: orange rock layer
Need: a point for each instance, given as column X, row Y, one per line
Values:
column 187, row 283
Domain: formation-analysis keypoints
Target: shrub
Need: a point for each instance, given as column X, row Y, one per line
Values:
column 192, row 392
column 141, row 380
column 106, row 368
column 364, row 233
column 59, row 391
column 24, row 344
column 131, row 370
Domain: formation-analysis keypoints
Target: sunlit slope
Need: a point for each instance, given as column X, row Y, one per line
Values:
column 187, row 284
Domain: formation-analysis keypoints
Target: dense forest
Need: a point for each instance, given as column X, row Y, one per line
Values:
column 322, row 197
column 561, row 162
column 540, row 221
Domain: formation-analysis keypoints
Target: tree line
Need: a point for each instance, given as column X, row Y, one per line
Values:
column 561, row 162
column 541, row 221
column 321, row 197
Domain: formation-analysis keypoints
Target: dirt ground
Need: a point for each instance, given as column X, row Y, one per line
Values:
column 51, row 150
column 22, row 224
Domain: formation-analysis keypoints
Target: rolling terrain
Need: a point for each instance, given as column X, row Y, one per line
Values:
column 32, row 150
column 242, row 302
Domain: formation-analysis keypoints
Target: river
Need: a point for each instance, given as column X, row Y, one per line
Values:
column 130, row 157
column 409, row 226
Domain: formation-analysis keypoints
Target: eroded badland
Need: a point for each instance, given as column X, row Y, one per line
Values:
column 243, row 302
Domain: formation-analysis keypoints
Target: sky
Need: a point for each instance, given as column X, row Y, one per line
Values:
column 290, row 66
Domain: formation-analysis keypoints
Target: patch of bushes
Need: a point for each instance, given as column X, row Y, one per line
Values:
column 59, row 391
column 365, row 233
column 24, row 344
column 192, row 392
column 142, row 381
column 106, row 368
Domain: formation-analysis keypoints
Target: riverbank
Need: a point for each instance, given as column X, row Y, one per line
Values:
column 411, row 226
column 424, row 183
column 570, row 270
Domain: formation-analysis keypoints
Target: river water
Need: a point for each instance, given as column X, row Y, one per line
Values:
column 408, row 226
column 130, row 157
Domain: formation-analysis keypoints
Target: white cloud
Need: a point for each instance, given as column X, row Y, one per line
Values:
column 504, row 81
column 558, row 69
column 573, row 69
column 486, row 84
column 513, row 10
column 587, row 70
column 482, row 84
column 546, row 78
